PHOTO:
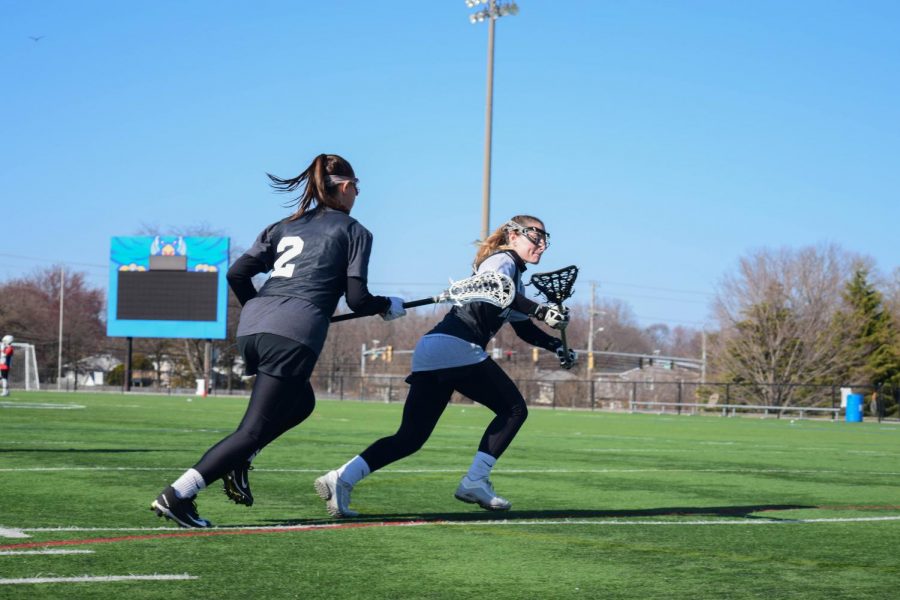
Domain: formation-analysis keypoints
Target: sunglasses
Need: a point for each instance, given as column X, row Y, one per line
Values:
column 336, row 180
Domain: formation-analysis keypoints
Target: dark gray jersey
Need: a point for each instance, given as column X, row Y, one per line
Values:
column 310, row 259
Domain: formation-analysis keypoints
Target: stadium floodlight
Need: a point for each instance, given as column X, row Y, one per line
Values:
column 491, row 13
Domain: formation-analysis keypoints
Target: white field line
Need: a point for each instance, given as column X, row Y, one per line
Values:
column 47, row 551
column 42, row 405
column 496, row 471
column 9, row 532
column 507, row 522
column 694, row 523
column 96, row 578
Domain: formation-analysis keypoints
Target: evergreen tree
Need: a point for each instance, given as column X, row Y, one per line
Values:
column 872, row 355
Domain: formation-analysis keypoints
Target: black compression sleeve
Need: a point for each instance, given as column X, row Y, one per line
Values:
column 240, row 274
column 361, row 301
column 524, row 305
column 534, row 335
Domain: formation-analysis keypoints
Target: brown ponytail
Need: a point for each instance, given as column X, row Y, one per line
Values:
column 313, row 183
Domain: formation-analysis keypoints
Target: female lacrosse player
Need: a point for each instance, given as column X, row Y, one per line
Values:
column 452, row 357
column 6, row 357
column 315, row 256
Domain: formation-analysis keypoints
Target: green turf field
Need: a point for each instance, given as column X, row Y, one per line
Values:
column 604, row 506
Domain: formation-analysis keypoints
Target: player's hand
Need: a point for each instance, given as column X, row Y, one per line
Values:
column 395, row 310
column 566, row 360
column 553, row 316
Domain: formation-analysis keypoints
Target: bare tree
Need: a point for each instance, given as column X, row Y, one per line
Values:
column 892, row 295
column 621, row 331
column 30, row 311
column 775, row 317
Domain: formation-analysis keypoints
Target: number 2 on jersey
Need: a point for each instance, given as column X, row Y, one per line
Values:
column 291, row 246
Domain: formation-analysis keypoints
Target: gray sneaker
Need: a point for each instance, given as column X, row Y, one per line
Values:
column 336, row 494
column 481, row 492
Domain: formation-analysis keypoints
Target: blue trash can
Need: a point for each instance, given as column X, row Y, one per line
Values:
column 854, row 410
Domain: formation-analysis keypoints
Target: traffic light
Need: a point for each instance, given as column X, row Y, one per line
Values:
column 390, row 353
column 591, row 361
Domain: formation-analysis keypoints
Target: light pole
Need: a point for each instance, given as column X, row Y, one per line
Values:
column 592, row 331
column 494, row 11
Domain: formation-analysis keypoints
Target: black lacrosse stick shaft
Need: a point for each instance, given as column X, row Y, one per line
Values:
column 410, row 304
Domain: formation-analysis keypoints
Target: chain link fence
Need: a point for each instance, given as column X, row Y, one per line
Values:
column 676, row 397
column 662, row 397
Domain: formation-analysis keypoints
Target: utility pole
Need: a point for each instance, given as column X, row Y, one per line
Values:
column 62, row 295
column 362, row 361
column 590, row 341
column 207, row 367
column 703, row 356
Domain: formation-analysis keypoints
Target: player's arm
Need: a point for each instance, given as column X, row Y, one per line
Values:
column 525, row 305
column 358, row 297
column 532, row 334
column 240, row 276
column 361, row 301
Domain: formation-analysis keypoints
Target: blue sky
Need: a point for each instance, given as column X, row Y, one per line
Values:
column 659, row 140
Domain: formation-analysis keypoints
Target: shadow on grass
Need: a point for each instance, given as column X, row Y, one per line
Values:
column 743, row 512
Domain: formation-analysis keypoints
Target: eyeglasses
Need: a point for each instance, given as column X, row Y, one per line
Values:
column 355, row 183
column 536, row 236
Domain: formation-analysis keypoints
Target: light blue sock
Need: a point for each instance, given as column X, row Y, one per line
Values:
column 481, row 466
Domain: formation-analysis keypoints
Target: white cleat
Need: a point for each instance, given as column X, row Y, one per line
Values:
column 336, row 494
column 481, row 492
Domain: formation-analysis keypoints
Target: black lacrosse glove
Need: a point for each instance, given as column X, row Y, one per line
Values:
column 566, row 360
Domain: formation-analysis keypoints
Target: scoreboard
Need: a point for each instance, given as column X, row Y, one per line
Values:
column 168, row 286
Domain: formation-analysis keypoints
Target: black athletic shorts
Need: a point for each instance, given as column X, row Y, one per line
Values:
column 276, row 356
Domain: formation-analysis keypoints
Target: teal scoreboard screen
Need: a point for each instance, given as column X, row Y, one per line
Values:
column 168, row 287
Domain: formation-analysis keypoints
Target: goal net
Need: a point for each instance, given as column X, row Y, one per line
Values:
column 24, row 372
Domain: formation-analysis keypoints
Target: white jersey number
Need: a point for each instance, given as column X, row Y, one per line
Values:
column 291, row 246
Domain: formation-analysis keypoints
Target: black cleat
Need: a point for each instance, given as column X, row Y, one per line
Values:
column 181, row 510
column 236, row 484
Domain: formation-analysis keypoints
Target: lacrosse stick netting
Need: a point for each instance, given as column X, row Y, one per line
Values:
column 557, row 287
column 490, row 286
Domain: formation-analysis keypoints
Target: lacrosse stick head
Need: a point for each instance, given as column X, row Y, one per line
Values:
column 490, row 286
column 556, row 286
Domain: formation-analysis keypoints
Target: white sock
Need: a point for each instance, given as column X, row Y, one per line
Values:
column 354, row 471
column 189, row 484
column 481, row 466
column 5, row 383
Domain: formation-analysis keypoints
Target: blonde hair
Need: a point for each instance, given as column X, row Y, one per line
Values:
column 499, row 240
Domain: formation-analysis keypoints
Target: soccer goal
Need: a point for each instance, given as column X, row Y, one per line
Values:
column 24, row 371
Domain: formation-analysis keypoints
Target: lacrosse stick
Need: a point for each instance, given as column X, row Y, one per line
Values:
column 556, row 286
column 491, row 287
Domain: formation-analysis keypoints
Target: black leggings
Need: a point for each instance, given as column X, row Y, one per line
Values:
column 276, row 405
column 429, row 394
